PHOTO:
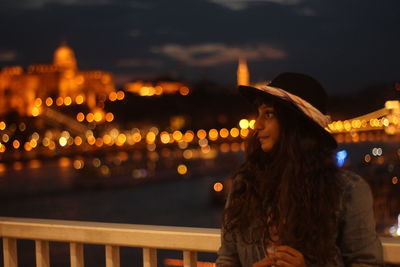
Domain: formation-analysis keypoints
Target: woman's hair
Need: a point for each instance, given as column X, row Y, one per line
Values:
column 293, row 188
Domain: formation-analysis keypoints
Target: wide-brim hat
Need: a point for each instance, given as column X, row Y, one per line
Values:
column 298, row 91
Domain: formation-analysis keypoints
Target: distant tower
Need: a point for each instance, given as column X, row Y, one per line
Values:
column 243, row 76
column 64, row 58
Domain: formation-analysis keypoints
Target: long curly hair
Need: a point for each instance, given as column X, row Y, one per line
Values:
column 292, row 188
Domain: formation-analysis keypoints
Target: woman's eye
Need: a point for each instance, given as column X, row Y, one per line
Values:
column 269, row 114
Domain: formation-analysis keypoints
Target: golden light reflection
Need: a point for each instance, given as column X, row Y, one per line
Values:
column 251, row 124
column 35, row 136
column 16, row 144
column 244, row 132
column 218, row 187
column 89, row 117
column 213, row 134
column 183, row 144
column 3, row 167
column 244, row 124
column 188, row 136
column 234, row 132
column 112, row 96
column 121, row 139
column 188, row 154
column 78, row 164
column 97, row 116
column 99, row 142
column 205, row 149
column 67, row 101
column 78, row 140
column 137, row 137
column 2, row 125
column 52, row 145
column 17, row 166
column 62, row 141
column 235, row 147
column 182, row 169
column 64, row 162
column 80, row 117
column 37, row 102
column 27, row 146
column 33, row 143
column 34, row 164
column 49, row 101
column 224, row 147
column 150, row 137
column 151, row 147
column 120, row 95
column 184, row 90
column 367, row 158
column 35, row 111
column 203, row 142
column 201, row 134
column 91, row 140
column 224, row 133
column 59, row 101
column 109, row 117
column 107, row 139
column 79, row 99
column 164, row 137
column 2, row 148
column 5, row 138
column 177, row 135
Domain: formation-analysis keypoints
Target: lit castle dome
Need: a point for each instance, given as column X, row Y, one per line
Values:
column 64, row 57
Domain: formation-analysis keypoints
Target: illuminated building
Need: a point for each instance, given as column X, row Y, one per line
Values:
column 61, row 79
column 243, row 75
column 147, row 88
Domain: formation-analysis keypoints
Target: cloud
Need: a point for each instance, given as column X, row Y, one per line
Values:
column 242, row 4
column 41, row 3
column 210, row 54
column 7, row 55
column 131, row 62
column 135, row 33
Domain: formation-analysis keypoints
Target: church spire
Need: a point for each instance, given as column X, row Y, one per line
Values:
column 243, row 76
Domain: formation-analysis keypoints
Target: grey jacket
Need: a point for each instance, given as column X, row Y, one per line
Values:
column 357, row 242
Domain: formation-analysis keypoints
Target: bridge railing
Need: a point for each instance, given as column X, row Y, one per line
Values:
column 113, row 236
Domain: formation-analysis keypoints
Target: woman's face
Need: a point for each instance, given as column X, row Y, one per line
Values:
column 267, row 127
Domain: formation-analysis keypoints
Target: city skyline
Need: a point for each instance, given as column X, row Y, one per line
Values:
column 347, row 46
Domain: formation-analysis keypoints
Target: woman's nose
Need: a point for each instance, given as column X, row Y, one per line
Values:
column 258, row 125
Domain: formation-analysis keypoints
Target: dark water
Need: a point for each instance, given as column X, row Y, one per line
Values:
column 48, row 190
column 185, row 202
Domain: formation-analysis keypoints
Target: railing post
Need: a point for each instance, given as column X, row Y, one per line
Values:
column 42, row 253
column 10, row 252
column 149, row 257
column 189, row 259
column 76, row 255
column 112, row 256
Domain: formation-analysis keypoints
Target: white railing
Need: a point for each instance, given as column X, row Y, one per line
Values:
column 113, row 236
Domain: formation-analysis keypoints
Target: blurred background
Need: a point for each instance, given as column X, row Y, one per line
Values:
column 127, row 111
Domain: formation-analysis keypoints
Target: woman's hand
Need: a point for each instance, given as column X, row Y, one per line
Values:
column 284, row 256
column 265, row 263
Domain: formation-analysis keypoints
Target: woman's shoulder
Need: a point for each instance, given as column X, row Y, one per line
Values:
column 353, row 186
column 349, row 179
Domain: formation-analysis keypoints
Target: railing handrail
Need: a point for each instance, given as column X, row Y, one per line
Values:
column 130, row 235
column 134, row 235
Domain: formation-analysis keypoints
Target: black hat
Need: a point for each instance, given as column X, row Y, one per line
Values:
column 299, row 91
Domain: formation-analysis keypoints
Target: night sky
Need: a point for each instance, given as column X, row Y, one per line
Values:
column 346, row 44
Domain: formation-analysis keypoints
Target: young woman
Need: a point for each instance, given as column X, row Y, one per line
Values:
column 290, row 205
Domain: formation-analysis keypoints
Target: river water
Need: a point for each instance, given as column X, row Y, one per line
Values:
column 48, row 190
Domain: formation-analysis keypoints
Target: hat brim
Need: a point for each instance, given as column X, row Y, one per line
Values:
column 252, row 94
